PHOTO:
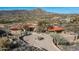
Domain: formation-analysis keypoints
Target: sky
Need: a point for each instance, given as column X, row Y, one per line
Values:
column 61, row 10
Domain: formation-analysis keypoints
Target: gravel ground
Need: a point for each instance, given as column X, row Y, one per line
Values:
column 24, row 46
column 70, row 48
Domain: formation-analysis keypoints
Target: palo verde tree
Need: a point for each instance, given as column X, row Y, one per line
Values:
column 42, row 26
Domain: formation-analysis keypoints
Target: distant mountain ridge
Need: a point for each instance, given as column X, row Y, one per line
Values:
column 9, row 16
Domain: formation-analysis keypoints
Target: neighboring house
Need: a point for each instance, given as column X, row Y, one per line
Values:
column 2, row 25
column 55, row 28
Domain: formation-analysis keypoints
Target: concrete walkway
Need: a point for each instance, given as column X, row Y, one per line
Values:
column 46, row 43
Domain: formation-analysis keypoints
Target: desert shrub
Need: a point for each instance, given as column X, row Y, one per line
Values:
column 4, row 42
column 58, row 40
column 42, row 27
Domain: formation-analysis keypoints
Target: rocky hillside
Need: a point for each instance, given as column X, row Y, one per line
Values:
column 24, row 15
column 15, row 16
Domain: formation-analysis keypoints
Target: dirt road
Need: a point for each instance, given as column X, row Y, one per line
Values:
column 46, row 43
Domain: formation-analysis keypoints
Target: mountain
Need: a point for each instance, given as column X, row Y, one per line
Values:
column 11, row 16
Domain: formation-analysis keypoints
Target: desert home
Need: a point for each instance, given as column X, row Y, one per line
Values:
column 55, row 28
column 30, row 26
column 18, row 28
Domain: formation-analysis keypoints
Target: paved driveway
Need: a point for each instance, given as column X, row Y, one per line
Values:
column 46, row 43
